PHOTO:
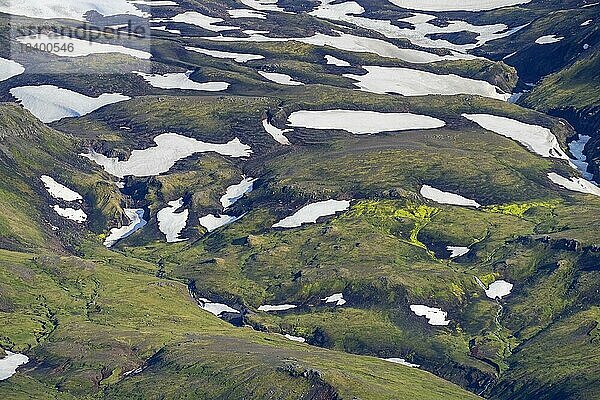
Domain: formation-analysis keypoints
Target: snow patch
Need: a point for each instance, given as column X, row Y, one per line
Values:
column 435, row 316
column 10, row 363
column 575, row 184
column 170, row 148
column 235, row 192
column 576, row 147
column 136, row 218
column 456, row 5
column 245, row 13
column 282, row 79
column 411, row 82
column 362, row 122
column 9, row 69
column 59, row 191
column 536, row 139
column 457, row 251
column 81, row 48
column 337, row 298
column 68, row 9
column 295, row 338
column 276, row 133
column 312, row 212
column 237, row 57
column 499, row 289
column 73, row 214
column 331, row 60
column 212, row 222
column 181, row 80
column 203, row 21
column 216, row 308
column 401, row 361
column 50, row 103
column 281, row 307
column 442, row 197
column 548, row 39
column 171, row 222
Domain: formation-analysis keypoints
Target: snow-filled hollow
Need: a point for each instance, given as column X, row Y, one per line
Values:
column 312, row 212
column 171, row 222
column 442, row 197
column 136, row 222
column 362, row 122
column 182, row 81
column 435, row 316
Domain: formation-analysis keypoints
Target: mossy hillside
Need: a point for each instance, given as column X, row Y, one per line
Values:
column 93, row 310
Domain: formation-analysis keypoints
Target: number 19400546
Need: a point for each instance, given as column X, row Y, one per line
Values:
column 49, row 47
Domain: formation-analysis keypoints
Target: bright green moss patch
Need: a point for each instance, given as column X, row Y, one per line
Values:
column 518, row 209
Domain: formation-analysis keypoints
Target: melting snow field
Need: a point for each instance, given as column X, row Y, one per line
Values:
column 282, row 79
column 411, row 82
column 212, row 222
column 216, row 308
column 245, row 13
column 262, row 5
column 136, row 218
column 203, row 21
column 59, row 191
column 81, row 48
column 312, row 212
column 457, row 251
column 337, row 298
column 170, row 148
column 9, row 69
column 331, row 60
column 295, row 338
column 276, row 133
column 575, row 184
column 456, row 5
column 236, row 192
column 171, row 222
column 10, row 363
column 237, row 57
column 73, row 214
column 535, row 138
column 442, row 197
column 499, row 289
column 71, row 9
column 576, row 147
column 181, row 80
column 401, row 361
column 50, row 103
column 434, row 316
column 548, row 39
column 281, row 307
column 362, row 122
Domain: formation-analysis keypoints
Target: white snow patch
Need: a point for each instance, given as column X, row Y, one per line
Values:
column 181, row 80
column 411, row 82
column 170, row 222
column 10, row 363
column 81, row 48
column 337, row 298
column 237, row 57
column 547, row 39
column 281, row 307
column 9, row 68
column 59, row 191
column 276, row 133
column 457, row 251
column 165, row 29
column 575, row 184
column 576, row 147
column 586, row 23
column 73, row 214
column 50, row 103
column 69, row 9
column 245, row 13
column 212, row 222
column 154, row 3
column 203, row 21
column 216, row 308
column 237, row 191
column 331, row 60
column 362, row 122
column 136, row 218
column 456, row 5
column 295, row 338
column 536, row 139
column 170, row 148
column 312, row 212
column 435, row 316
column 442, row 197
column 262, row 5
column 401, row 361
column 282, row 79
column 499, row 289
